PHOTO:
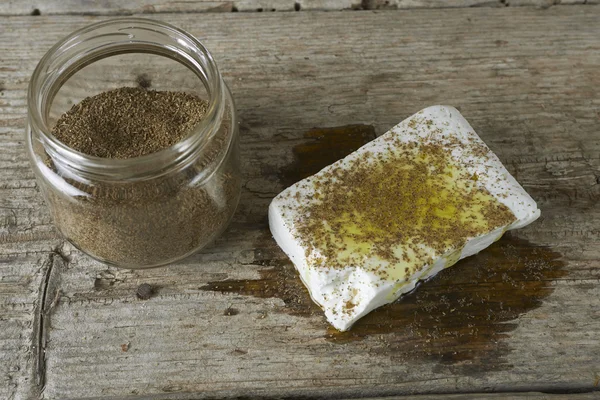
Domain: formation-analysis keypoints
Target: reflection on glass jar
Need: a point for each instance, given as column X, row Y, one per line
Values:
column 150, row 210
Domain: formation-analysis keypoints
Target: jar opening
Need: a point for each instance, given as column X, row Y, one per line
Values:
column 104, row 40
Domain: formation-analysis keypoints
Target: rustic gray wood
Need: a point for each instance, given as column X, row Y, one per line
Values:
column 527, row 80
column 128, row 7
column 486, row 396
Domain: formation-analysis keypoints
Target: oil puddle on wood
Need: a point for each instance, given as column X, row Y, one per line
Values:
column 278, row 280
column 460, row 317
column 464, row 312
column 325, row 146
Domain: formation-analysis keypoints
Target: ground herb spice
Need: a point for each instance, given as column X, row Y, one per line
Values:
column 146, row 222
column 414, row 203
column 129, row 122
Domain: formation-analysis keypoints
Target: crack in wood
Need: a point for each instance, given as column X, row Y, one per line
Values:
column 47, row 303
column 129, row 7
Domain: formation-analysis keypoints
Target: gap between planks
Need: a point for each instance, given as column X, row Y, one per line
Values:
column 129, row 7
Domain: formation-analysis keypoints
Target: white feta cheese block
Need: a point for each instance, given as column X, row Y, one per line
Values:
column 364, row 230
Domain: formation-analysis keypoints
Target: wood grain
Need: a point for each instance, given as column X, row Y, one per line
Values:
column 129, row 7
column 73, row 328
column 486, row 396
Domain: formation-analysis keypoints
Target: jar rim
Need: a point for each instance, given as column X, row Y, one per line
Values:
column 71, row 54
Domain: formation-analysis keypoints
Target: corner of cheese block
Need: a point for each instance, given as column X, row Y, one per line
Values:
column 442, row 111
column 351, row 293
column 497, row 180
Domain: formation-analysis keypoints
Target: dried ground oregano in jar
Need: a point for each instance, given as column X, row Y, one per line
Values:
column 129, row 122
column 139, row 223
column 134, row 176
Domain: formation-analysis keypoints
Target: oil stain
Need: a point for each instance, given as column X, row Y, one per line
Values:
column 464, row 312
column 323, row 147
column 278, row 280
column 459, row 318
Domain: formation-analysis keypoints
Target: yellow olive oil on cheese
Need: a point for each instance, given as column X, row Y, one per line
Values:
column 400, row 210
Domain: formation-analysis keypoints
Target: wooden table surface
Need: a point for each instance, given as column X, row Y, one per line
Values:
column 522, row 317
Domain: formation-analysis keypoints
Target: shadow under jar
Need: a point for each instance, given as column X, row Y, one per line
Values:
column 144, row 211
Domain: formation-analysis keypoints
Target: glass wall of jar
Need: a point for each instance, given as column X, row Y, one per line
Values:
column 144, row 211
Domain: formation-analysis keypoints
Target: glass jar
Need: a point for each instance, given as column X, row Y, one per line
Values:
column 150, row 210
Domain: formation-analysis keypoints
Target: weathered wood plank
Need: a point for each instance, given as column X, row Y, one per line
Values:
column 20, row 282
column 533, row 97
column 128, row 7
column 486, row 396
